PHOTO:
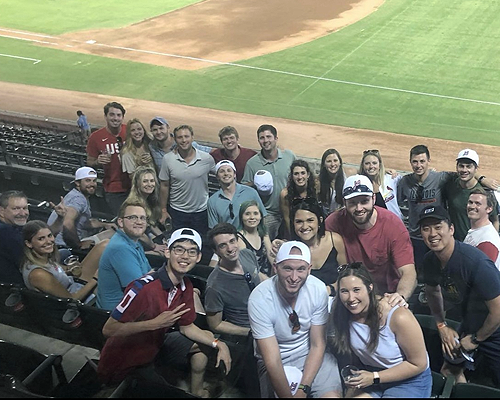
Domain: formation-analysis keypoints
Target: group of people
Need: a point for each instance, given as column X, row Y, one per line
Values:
column 318, row 269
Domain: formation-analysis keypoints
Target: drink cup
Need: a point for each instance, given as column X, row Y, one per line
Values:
column 349, row 372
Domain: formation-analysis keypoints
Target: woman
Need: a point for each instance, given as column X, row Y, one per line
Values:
column 301, row 183
column 385, row 186
column 253, row 235
column 42, row 272
column 388, row 341
column 135, row 152
column 146, row 190
column 332, row 175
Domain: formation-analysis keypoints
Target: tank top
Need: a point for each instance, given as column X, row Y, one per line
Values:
column 328, row 273
column 261, row 254
column 56, row 270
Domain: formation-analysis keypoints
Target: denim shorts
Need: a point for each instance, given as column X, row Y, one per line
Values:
column 419, row 386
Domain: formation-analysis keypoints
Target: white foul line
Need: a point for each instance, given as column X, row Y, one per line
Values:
column 36, row 61
column 318, row 78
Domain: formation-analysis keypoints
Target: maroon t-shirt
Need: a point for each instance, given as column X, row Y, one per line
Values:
column 383, row 248
column 144, row 299
column 115, row 180
column 219, row 154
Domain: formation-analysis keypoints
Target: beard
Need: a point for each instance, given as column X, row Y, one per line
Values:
column 361, row 220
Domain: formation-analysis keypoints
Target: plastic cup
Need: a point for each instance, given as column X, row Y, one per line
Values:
column 349, row 372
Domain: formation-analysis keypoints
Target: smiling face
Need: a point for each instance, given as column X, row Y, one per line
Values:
column 300, row 177
column 180, row 261
column 306, row 225
column 419, row 164
column 360, row 208
column 477, row 208
column 160, row 132
column 267, row 141
column 133, row 229
column 184, row 139
column 16, row 212
column 147, row 184
column 292, row 275
column 226, row 247
column 332, row 163
column 251, row 217
column 354, row 295
column 226, row 174
column 86, row 186
column 371, row 166
column 437, row 234
column 230, row 142
column 466, row 170
column 114, row 119
column 137, row 132
column 42, row 243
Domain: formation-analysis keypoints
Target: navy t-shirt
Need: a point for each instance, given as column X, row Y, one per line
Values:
column 468, row 276
column 11, row 252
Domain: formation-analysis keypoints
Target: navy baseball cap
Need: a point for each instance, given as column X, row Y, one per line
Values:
column 436, row 212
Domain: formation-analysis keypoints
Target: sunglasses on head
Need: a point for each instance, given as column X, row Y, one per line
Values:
column 248, row 278
column 307, row 200
column 370, row 151
column 356, row 189
column 354, row 265
column 294, row 319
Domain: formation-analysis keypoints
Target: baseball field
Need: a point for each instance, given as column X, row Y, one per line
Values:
column 363, row 70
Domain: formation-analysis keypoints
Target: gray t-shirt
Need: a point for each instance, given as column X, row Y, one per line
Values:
column 419, row 196
column 74, row 199
column 229, row 292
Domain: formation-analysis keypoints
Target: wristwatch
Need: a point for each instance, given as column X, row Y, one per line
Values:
column 376, row 378
column 305, row 388
column 473, row 339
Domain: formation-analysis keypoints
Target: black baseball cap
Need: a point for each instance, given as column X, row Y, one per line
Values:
column 436, row 212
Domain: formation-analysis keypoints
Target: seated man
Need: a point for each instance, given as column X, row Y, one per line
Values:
column 288, row 315
column 139, row 327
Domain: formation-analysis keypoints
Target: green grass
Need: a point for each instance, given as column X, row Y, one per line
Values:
column 449, row 49
column 61, row 16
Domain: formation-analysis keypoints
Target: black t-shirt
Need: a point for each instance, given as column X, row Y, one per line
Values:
column 470, row 277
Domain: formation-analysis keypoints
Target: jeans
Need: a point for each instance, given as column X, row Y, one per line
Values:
column 419, row 386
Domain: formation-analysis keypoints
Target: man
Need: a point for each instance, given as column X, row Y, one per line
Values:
column 275, row 161
column 124, row 259
column 232, row 151
column 375, row 236
column 83, row 125
column 230, row 283
column 184, row 183
column 14, row 215
column 103, row 149
column 482, row 233
column 457, row 192
column 224, row 204
column 288, row 315
column 458, row 274
column 163, row 141
column 78, row 221
column 139, row 327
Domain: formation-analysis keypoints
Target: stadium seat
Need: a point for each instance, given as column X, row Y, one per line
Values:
column 12, row 309
column 474, row 391
column 93, row 319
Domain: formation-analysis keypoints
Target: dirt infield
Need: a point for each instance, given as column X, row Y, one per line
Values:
column 226, row 30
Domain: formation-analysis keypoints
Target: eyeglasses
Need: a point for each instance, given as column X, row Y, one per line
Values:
column 308, row 200
column 179, row 251
column 294, row 319
column 134, row 218
column 356, row 189
column 231, row 211
column 354, row 265
column 419, row 194
column 119, row 140
column 248, row 278
column 370, row 151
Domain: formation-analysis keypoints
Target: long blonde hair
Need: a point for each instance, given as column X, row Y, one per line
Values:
column 151, row 203
column 30, row 257
column 129, row 146
column 381, row 172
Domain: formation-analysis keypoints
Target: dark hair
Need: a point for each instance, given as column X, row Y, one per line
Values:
column 227, row 131
column 220, row 229
column 261, row 228
column 270, row 128
column 292, row 188
column 113, row 104
column 420, row 149
column 79, row 113
column 325, row 179
column 182, row 127
column 340, row 317
column 308, row 204
column 9, row 194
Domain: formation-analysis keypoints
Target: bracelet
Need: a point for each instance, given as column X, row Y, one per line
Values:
column 214, row 343
column 442, row 325
column 481, row 178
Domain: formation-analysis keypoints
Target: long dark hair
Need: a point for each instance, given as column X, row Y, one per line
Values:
column 291, row 188
column 325, row 180
column 261, row 228
column 308, row 204
column 340, row 317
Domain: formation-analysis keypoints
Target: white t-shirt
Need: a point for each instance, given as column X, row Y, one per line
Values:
column 269, row 316
column 485, row 234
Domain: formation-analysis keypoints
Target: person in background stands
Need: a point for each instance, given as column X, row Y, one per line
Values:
column 83, row 125
column 103, row 149
column 232, row 151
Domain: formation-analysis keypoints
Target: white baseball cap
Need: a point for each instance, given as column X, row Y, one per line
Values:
column 357, row 185
column 222, row 163
column 469, row 154
column 185, row 233
column 263, row 181
column 85, row 172
column 286, row 248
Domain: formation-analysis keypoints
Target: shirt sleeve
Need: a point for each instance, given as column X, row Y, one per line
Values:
column 261, row 322
column 213, row 300
column 125, row 266
column 92, row 149
column 248, row 173
column 332, row 222
column 212, row 214
column 489, row 249
column 128, row 163
column 164, row 174
column 320, row 313
column 402, row 249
